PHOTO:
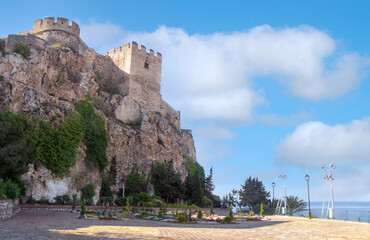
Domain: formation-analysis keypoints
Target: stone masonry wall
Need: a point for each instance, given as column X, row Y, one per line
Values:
column 168, row 112
column 6, row 208
column 61, row 24
column 145, row 73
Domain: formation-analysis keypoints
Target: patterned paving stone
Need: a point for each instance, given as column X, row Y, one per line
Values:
column 34, row 224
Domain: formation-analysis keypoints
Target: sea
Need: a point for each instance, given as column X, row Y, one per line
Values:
column 347, row 211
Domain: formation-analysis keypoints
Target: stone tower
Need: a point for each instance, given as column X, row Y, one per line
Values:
column 144, row 69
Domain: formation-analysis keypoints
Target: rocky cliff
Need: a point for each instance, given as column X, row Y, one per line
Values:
column 60, row 71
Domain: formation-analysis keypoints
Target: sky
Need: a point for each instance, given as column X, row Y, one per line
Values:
column 268, row 87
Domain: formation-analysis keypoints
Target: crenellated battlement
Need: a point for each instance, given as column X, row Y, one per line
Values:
column 62, row 24
column 144, row 68
column 135, row 47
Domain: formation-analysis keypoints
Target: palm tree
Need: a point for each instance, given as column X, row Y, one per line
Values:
column 295, row 205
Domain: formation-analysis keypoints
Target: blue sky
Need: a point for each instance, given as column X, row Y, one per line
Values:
column 268, row 87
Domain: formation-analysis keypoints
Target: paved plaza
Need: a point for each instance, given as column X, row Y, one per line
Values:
column 42, row 224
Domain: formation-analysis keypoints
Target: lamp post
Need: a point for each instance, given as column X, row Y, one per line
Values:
column 330, row 177
column 273, row 195
column 284, row 209
column 307, row 177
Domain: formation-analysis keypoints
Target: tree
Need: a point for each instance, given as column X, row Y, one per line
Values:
column 18, row 144
column 252, row 193
column 295, row 205
column 166, row 181
column 112, row 175
column 195, row 185
column 194, row 182
column 87, row 193
column 229, row 199
column 135, row 182
column 208, row 184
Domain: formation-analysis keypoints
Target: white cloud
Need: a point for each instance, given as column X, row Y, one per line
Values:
column 214, row 132
column 209, row 151
column 292, row 120
column 314, row 143
column 210, row 76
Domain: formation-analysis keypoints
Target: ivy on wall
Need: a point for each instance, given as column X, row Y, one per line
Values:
column 58, row 146
column 95, row 134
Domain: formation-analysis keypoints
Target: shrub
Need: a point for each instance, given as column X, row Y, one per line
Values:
column 24, row 51
column 10, row 189
column 105, row 189
column 144, row 214
column 228, row 219
column 74, row 199
column 83, row 207
column 200, row 214
column 43, row 201
column 62, row 200
column 231, row 210
column 101, row 105
column 135, row 182
column 211, row 210
column 2, row 47
column 166, row 181
column 181, row 219
column 18, row 144
column 126, row 209
column 87, row 193
column 160, row 214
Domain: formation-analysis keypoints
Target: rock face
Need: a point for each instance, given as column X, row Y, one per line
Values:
column 60, row 71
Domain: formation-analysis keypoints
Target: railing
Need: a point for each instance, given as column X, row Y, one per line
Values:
column 342, row 214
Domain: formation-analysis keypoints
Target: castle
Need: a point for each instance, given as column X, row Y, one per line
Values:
column 142, row 67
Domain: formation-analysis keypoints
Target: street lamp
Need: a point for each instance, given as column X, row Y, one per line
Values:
column 307, row 177
column 330, row 177
column 284, row 209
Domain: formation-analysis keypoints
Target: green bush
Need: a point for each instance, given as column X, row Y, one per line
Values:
column 62, row 200
column 74, row 201
column 24, row 51
column 58, row 146
column 95, row 133
column 231, row 211
column 181, row 219
column 135, row 182
column 262, row 210
column 144, row 214
column 228, row 219
column 2, row 47
column 18, row 144
column 200, row 214
column 43, row 201
column 87, row 193
column 166, row 181
column 105, row 189
column 83, row 210
column 10, row 190
column 121, row 201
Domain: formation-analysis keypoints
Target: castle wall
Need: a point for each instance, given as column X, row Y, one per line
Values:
column 28, row 40
column 49, row 23
column 145, row 73
column 168, row 112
